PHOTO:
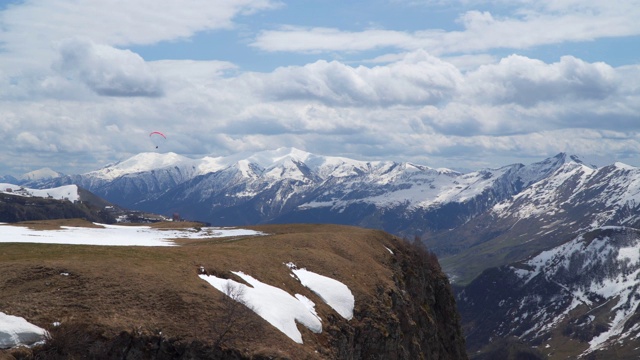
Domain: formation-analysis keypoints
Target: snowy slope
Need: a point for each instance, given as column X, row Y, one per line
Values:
column 66, row 192
column 113, row 235
column 585, row 289
column 572, row 199
column 575, row 185
column 547, row 196
column 281, row 309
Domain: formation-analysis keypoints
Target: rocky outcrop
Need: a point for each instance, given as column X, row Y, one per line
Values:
column 417, row 319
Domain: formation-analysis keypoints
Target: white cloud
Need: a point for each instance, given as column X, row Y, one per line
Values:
column 120, row 23
column 107, row 70
column 525, row 81
column 296, row 38
column 418, row 78
column 31, row 29
column 529, row 24
column 26, row 140
column 415, row 108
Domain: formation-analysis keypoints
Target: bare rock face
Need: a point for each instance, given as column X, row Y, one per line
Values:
column 417, row 319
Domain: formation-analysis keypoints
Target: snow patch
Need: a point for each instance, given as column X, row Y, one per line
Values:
column 16, row 331
column 281, row 309
column 336, row 294
column 273, row 304
column 66, row 192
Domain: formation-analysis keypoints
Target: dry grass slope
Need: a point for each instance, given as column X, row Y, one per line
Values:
column 155, row 291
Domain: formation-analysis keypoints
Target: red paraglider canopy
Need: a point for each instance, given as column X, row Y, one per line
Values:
column 157, row 138
column 157, row 132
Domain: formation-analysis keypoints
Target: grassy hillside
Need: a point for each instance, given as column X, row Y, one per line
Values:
column 403, row 304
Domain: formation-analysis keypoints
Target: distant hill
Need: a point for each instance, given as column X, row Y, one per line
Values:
column 22, row 204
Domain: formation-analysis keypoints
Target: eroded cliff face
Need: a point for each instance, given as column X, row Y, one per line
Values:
column 414, row 319
column 158, row 308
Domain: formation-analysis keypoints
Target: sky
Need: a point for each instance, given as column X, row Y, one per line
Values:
column 461, row 84
column 281, row 309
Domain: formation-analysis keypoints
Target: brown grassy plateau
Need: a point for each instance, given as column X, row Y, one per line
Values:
column 157, row 289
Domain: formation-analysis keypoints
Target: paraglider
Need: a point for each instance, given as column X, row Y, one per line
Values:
column 157, row 138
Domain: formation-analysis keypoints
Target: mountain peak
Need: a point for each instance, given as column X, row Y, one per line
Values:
column 624, row 166
column 576, row 158
column 40, row 174
column 140, row 163
column 268, row 157
column 294, row 152
column 566, row 158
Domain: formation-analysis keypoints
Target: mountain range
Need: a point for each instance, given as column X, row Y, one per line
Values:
column 489, row 228
column 288, row 185
column 473, row 220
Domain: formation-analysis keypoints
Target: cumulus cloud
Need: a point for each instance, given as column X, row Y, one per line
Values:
column 418, row 107
column 417, row 79
column 106, row 70
column 527, row 82
column 515, row 95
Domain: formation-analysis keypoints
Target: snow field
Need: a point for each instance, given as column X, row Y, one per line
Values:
column 113, row 235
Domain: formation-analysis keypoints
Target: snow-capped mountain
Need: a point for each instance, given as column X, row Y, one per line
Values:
column 290, row 185
column 572, row 199
column 578, row 298
column 516, row 210
column 21, row 203
column 33, row 177
column 40, row 174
